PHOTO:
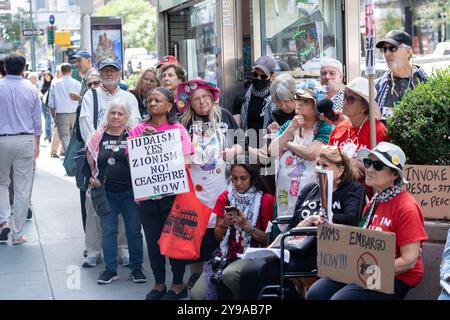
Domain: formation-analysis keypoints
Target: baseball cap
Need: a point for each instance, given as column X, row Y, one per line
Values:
column 305, row 93
column 109, row 62
column 166, row 60
column 82, row 54
column 331, row 62
column 396, row 37
column 266, row 64
column 388, row 153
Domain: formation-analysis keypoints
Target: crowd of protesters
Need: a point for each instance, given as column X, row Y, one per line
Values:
column 244, row 196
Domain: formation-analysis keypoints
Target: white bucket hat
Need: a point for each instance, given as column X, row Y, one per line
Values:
column 360, row 86
column 388, row 153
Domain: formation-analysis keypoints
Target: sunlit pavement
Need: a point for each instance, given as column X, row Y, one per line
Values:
column 48, row 266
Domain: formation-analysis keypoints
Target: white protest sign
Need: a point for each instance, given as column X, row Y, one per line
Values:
column 157, row 165
column 370, row 38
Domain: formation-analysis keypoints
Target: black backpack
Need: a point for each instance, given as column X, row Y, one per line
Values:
column 76, row 129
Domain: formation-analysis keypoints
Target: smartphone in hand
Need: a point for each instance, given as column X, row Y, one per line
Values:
column 231, row 209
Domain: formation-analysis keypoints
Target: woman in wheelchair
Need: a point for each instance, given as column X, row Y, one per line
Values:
column 392, row 209
column 347, row 203
column 243, row 212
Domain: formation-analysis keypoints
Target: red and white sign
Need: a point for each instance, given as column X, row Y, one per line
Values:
column 370, row 38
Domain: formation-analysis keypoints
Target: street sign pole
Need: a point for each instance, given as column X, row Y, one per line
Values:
column 33, row 50
column 51, row 20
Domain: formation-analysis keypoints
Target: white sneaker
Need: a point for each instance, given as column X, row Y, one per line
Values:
column 124, row 261
column 90, row 262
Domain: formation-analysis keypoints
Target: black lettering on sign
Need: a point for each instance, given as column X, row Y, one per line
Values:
column 439, row 202
column 366, row 242
column 329, row 234
column 419, row 188
column 426, row 174
column 338, row 261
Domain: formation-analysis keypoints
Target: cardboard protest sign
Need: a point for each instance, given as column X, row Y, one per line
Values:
column 355, row 255
column 157, row 165
column 430, row 186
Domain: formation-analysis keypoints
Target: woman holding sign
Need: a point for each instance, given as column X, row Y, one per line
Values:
column 391, row 209
column 154, row 212
column 207, row 125
column 108, row 162
column 347, row 203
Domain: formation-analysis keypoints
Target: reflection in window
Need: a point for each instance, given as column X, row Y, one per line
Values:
column 299, row 33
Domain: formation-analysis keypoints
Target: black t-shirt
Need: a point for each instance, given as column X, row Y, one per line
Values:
column 254, row 118
column 348, row 202
column 401, row 84
column 118, row 176
column 280, row 117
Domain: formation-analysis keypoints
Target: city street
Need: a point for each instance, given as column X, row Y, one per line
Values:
column 48, row 266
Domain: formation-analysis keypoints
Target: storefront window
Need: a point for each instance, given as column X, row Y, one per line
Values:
column 299, row 33
column 193, row 37
column 427, row 21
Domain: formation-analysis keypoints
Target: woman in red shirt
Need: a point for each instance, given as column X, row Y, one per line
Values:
column 243, row 212
column 391, row 209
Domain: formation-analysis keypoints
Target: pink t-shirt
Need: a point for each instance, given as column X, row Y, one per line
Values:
column 188, row 148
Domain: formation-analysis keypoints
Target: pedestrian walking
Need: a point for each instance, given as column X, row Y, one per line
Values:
column 62, row 106
column 20, row 131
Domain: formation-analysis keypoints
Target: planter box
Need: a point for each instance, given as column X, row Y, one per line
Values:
column 430, row 186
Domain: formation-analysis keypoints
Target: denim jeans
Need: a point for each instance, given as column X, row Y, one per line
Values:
column 122, row 203
column 48, row 121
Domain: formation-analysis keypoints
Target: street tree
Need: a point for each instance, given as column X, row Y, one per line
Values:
column 139, row 21
column 11, row 27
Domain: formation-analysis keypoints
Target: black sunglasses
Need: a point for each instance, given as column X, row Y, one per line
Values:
column 95, row 83
column 351, row 99
column 377, row 164
column 257, row 75
column 390, row 48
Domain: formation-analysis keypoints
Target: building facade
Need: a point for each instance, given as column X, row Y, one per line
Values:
column 219, row 39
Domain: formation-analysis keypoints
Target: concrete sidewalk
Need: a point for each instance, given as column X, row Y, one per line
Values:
column 48, row 266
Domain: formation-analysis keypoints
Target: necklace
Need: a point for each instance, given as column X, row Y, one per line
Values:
column 359, row 130
column 393, row 83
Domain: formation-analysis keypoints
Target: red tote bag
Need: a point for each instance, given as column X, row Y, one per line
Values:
column 185, row 226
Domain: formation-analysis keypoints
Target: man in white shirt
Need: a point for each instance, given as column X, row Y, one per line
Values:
column 62, row 106
column 110, row 75
column 331, row 76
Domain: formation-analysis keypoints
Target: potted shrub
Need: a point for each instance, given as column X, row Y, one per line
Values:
column 421, row 127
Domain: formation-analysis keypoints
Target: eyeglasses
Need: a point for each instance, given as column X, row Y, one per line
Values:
column 390, row 48
column 257, row 75
column 94, row 83
column 377, row 164
column 351, row 99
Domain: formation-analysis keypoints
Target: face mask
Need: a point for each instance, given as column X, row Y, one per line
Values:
column 260, row 84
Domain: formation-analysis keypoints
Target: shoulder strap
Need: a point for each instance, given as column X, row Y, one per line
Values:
column 94, row 94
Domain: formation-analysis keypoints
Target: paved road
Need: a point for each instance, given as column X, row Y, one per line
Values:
column 48, row 266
